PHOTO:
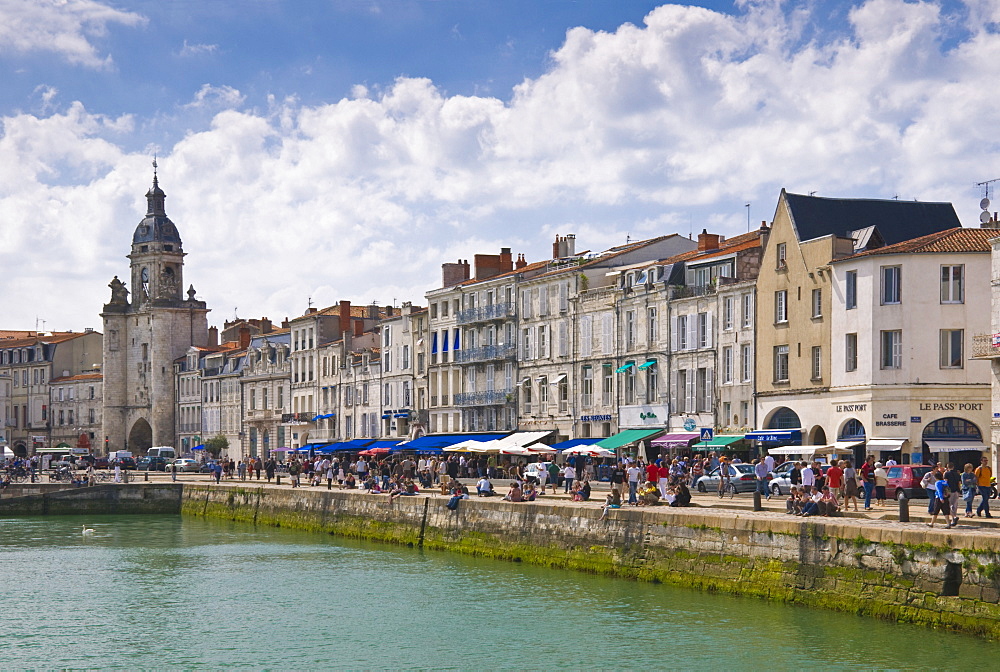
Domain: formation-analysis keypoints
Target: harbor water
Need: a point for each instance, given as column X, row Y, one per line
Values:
column 167, row 591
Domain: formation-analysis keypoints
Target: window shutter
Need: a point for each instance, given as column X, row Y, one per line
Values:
column 564, row 297
column 676, row 393
column 533, row 344
column 608, row 334
column 586, row 336
column 563, row 338
column 709, row 389
column 543, row 300
column 673, row 333
column 691, row 393
column 692, row 331
column 708, row 330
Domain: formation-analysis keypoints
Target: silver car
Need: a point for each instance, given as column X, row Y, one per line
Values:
column 741, row 475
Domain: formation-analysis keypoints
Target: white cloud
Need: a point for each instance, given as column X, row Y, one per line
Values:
column 216, row 97
column 670, row 126
column 197, row 49
column 65, row 27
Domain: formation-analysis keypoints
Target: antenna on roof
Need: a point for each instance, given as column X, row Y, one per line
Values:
column 812, row 193
column 895, row 197
column 747, row 206
column 309, row 302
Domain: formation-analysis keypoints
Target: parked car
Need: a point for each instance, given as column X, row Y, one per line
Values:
column 903, row 480
column 781, row 481
column 126, row 463
column 207, row 467
column 151, row 464
column 741, row 474
column 100, row 463
column 184, row 464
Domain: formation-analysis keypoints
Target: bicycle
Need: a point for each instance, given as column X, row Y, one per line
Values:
column 727, row 489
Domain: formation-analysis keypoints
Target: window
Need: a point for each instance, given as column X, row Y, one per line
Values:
column 607, row 388
column 851, row 352
column 951, row 347
column 953, row 284
column 406, row 357
column 652, row 382
column 851, row 297
column 527, row 397
column 704, row 390
column 683, row 392
column 630, row 385
column 587, row 397
column 781, row 364
column 681, row 333
column 728, row 308
column 817, row 303
column 781, row 307
column 746, row 356
column 817, row 363
column 253, row 399
column 727, row 364
column 782, row 251
column 704, row 335
column 652, row 326
column 745, row 412
column 892, row 349
column 891, row 293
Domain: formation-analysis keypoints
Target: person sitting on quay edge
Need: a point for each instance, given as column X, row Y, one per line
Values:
column 457, row 495
column 828, row 505
column 811, row 506
column 514, row 493
column 530, row 492
column 484, row 488
column 350, row 482
column 793, row 504
column 649, row 494
column 682, row 495
column 612, row 501
column 585, row 491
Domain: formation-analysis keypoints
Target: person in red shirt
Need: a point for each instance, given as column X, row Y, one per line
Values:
column 652, row 472
column 663, row 476
column 868, row 480
column 835, row 478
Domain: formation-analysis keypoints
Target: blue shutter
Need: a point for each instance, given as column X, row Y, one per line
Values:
column 434, row 343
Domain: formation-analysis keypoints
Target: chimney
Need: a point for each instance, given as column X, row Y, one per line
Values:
column 388, row 311
column 284, row 323
column 452, row 274
column 521, row 263
column 506, row 263
column 570, row 240
column 373, row 311
column 487, row 265
column 707, row 241
column 265, row 326
column 213, row 337
column 555, row 248
column 345, row 317
column 359, row 327
column 244, row 338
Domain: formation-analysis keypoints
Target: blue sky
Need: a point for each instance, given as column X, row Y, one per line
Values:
column 346, row 149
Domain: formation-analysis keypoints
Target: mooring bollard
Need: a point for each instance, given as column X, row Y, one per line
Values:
column 145, row 476
column 756, row 501
column 277, row 479
column 904, row 510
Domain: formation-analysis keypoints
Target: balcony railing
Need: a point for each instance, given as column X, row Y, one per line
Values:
column 486, row 353
column 489, row 398
column 986, row 346
column 495, row 311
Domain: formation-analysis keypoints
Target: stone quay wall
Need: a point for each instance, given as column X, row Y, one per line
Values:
column 941, row 578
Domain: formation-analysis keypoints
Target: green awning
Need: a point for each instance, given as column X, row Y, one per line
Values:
column 719, row 440
column 626, row 367
column 626, row 437
column 648, row 363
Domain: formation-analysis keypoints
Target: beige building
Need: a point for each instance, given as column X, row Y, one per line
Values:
column 265, row 379
column 75, row 410
column 795, row 293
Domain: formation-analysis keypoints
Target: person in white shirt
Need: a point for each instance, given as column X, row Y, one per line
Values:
column 569, row 475
column 769, row 463
column 808, row 476
column 484, row 487
column 633, row 473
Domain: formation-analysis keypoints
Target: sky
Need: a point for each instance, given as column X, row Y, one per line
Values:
column 319, row 150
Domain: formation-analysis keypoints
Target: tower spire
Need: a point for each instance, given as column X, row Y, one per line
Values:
column 155, row 196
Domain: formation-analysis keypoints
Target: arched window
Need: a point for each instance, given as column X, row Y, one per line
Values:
column 853, row 430
column 784, row 418
column 952, row 428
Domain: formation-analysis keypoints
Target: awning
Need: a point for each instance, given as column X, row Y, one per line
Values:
column 387, row 443
column 62, row 445
column 386, row 416
column 352, row 445
column 677, row 439
column 626, row 437
column 886, row 445
column 954, row 446
column 50, row 450
column 809, row 451
column 435, row 442
column 573, row 443
column 719, row 440
column 518, row 443
column 647, row 364
column 201, row 446
column 590, row 451
column 775, row 435
column 625, row 367
column 561, row 377
column 848, row 445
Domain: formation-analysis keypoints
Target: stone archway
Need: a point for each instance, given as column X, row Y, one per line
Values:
column 817, row 436
column 140, row 437
column 20, row 449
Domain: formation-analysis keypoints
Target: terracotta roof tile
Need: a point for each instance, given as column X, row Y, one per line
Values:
column 957, row 240
column 79, row 376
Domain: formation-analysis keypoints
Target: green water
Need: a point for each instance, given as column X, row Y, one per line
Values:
column 165, row 591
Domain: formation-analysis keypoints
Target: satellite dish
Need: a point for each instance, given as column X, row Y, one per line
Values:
column 984, row 217
column 984, row 204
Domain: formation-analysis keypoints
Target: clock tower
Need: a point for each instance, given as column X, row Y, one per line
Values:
column 145, row 332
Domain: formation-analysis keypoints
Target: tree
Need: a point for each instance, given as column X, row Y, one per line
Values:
column 216, row 445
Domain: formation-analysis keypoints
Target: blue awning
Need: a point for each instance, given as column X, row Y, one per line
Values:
column 444, row 341
column 354, row 444
column 316, row 417
column 400, row 415
column 775, row 435
column 436, row 442
column 200, row 446
column 455, row 344
column 434, row 343
column 386, row 416
column 573, row 443
column 385, row 444
column 326, row 449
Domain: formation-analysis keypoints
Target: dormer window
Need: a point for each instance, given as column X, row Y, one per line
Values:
column 168, row 248
column 144, row 248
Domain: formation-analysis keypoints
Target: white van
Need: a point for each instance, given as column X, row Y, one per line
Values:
column 166, row 452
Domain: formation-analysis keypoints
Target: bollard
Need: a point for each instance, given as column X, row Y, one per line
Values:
column 277, row 479
column 756, row 501
column 145, row 476
column 904, row 510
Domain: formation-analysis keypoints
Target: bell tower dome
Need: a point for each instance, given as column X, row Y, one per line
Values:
column 157, row 253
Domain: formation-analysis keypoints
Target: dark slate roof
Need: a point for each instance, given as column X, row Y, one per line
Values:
column 156, row 227
column 897, row 221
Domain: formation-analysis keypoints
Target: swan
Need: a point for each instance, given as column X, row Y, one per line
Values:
column 87, row 531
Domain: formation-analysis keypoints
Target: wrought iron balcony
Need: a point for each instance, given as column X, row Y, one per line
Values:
column 489, row 398
column 495, row 311
column 986, row 346
column 485, row 353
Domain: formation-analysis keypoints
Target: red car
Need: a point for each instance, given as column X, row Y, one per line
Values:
column 904, row 481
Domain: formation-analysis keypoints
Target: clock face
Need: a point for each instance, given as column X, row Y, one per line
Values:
column 145, row 275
